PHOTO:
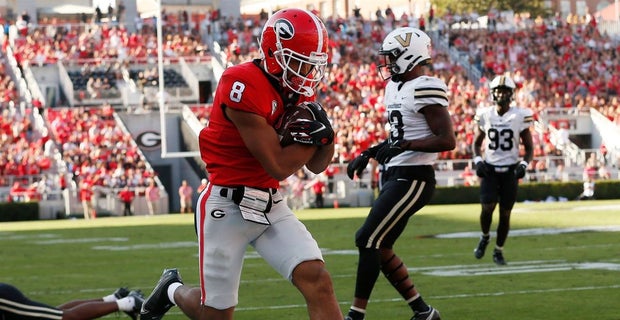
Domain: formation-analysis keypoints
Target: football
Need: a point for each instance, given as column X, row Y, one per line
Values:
column 291, row 113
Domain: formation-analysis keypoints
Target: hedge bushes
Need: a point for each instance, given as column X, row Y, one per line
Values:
column 604, row 189
column 19, row 211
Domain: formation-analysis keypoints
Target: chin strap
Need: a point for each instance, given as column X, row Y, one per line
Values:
column 397, row 77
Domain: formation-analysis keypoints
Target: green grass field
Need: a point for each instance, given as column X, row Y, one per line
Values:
column 563, row 262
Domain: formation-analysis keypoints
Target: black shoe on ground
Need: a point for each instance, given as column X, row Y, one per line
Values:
column 482, row 246
column 157, row 304
column 138, row 301
column 498, row 257
column 431, row 314
column 121, row 293
column 355, row 315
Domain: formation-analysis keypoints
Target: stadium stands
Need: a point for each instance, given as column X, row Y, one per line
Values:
column 567, row 73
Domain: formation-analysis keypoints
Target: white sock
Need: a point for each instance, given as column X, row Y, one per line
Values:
column 171, row 289
column 109, row 298
column 360, row 310
column 126, row 304
column 417, row 295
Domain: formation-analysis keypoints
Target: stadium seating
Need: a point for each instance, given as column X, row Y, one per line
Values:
column 352, row 91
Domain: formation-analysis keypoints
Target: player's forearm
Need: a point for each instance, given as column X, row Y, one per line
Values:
column 288, row 160
column 431, row 144
column 321, row 159
column 529, row 155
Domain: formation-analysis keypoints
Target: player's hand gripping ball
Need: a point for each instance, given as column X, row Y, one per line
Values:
column 290, row 115
column 306, row 123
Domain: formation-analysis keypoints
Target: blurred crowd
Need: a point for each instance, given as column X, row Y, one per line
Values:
column 556, row 63
column 559, row 64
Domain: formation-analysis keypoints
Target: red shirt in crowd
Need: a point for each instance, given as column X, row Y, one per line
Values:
column 86, row 193
column 126, row 195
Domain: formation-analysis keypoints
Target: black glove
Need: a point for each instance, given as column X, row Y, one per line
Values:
column 357, row 165
column 310, row 132
column 388, row 151
column 482, row 169
column 520, row 170
column 372, row 151
column 318, row 112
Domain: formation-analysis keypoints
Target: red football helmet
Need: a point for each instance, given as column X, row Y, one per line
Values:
column 293, row 45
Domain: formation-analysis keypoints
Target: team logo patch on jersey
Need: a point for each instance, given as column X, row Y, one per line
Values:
column 284, row 29
column 274, row 106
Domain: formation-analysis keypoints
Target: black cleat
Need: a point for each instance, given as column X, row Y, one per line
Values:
column 431, row 314
column 482, row 246
column 348, row 317
column 498, row 257
column 354, row 315
column 138, row 299
column 121, row 293
column 157, row 304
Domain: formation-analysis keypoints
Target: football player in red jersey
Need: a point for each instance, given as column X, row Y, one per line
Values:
column 244, row 158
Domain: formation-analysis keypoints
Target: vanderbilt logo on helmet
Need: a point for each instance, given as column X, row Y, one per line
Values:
column 404, row 42
column 284, row 29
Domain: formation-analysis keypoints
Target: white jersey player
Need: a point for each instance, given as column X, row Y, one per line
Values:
column 503, row 133
column 403, row 103
column 503, row 128
column 420, row 127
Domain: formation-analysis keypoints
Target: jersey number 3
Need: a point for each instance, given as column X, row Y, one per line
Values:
column 500, row 139
column 396, row 125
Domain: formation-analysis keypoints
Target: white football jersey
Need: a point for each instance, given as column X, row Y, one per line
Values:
column 502, row 133
column 403, row 103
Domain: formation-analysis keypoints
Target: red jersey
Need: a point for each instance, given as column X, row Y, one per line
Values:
column 86, row 194
column 126, row 195
column 318, row 187
column 229, row 162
